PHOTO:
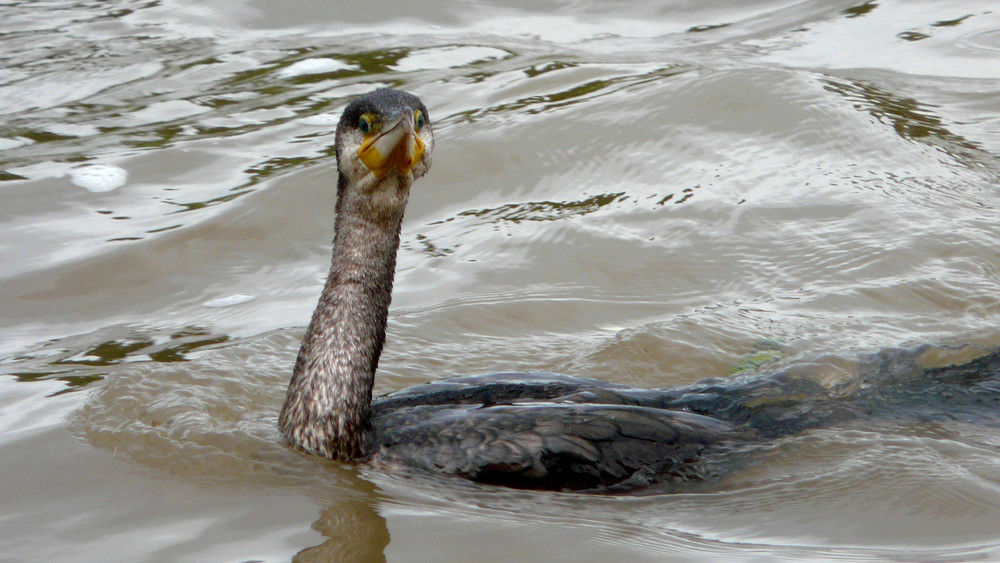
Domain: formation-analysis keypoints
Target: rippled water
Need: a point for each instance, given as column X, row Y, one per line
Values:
column 643, row 192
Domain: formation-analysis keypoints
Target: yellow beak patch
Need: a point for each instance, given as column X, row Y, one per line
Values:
column 394, row 146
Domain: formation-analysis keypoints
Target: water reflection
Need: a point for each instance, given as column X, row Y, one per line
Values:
column 63, row 360
column 910, row 118
column 356, row 531
column 544, row 210
column 860, row 9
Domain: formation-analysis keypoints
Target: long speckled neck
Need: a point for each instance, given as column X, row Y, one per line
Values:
column 327, row 410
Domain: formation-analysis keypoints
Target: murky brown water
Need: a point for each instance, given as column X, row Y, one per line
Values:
column 642, row 192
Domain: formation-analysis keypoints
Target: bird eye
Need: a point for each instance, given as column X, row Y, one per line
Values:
column 420, row 121
column 365, row 125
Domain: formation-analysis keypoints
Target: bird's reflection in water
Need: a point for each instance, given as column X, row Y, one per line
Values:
column 355, row 531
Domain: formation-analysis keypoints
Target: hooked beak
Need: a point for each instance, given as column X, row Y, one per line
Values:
column 395, row 146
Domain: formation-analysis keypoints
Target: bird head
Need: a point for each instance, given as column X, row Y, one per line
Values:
column 385, row 134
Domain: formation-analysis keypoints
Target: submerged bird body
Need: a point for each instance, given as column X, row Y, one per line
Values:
column 530, row 430
column 540, row 431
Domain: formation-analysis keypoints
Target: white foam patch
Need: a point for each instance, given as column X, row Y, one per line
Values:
column 98, row 178
column 313, row 66
column 228, row 301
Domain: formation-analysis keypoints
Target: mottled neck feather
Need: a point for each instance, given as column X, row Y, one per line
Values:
column 328, row 407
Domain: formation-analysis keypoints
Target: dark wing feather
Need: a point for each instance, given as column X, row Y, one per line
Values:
column 549, row 445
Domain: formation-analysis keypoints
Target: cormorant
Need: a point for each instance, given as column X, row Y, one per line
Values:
column 529, row 430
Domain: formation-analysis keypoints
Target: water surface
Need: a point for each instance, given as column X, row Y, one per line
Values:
column 642, row 192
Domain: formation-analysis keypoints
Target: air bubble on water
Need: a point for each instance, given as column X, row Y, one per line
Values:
column 98, row 178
